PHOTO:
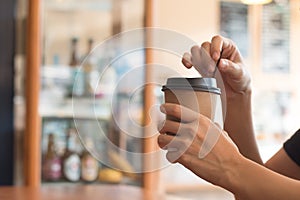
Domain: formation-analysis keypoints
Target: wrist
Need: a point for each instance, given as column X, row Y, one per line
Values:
column 235, row 182
column 238, row 106
column 240, row 97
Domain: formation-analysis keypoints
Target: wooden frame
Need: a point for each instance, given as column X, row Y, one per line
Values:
column 32, row 157
column 150, row 179
column 32, row 171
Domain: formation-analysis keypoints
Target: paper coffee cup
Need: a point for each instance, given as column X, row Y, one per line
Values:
column 199, row 94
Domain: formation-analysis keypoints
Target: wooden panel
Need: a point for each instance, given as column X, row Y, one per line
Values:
column 116, row 15
column 32, row 133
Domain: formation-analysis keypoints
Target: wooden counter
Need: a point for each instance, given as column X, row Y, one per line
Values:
column 79, row 192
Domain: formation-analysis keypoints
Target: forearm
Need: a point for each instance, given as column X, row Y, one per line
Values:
column 252, row 181
column 238, row 123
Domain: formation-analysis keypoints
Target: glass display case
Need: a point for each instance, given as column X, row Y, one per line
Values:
column 68, row 29
column 84, row 90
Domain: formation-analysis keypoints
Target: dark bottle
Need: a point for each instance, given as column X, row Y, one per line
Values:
column 88, row 67
column 51, row 170
column 89, row 46
column 89, row 164
column 91, row 72
column 71, row 159
column 88, row 57
column 74, row 61
column 77, row 76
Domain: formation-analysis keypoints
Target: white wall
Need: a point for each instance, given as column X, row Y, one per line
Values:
column 199, row 21
column 195, row 19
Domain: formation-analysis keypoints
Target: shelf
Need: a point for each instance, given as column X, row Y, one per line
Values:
column 78, row 5
column 56, row 72
column 85, row 108
column 124, row 181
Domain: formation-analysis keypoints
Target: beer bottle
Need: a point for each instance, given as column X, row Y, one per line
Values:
column 77, row 76
column 89, row 164
column 71, row 160
column 51, row 170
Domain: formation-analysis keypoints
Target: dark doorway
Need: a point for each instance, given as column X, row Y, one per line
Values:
column 7, row 49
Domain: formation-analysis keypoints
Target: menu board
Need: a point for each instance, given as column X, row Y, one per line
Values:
column 234, row 24
column 275, row 38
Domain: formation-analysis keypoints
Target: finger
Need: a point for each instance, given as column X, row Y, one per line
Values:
column 164, row 140
column 160, row 125
column 216, row 47
column 180, row 112
column 208, row 65
column 200, row 55
column 196, row 59
column 231, row 69
column 173, row 156
column 206, row 46
column 175, row 147
column 224, row 48
column 171, row 143
column 170, row 127
column 187, row 60
column 188, row 131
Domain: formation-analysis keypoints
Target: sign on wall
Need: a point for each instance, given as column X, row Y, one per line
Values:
column 275, row 38
column 234, row 24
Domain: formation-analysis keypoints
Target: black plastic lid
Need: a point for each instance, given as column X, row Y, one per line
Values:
column 196, row 84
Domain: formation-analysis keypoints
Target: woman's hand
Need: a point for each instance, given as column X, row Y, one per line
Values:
column 234, row 81
column 222, row 165
column 199, row 144
column 224, row 53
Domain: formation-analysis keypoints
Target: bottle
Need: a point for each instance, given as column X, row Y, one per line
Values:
column 71, row 160
column 89, row 165
column 108, row 79
column 74, row 62
column 90, row 70
column 51, row 170
column 86, row 56
column 77, row 75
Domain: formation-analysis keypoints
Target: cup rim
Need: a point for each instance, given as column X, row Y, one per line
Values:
column 195, row 84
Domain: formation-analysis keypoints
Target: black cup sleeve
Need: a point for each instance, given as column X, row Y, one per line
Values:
column 292, row 147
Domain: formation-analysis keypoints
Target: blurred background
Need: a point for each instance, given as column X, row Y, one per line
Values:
column 65, row 32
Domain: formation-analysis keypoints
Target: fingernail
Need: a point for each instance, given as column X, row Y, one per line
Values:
column 160, row 125
column 224, row 63
column 162, row 109
column 215, row 56
column 172, row 149
column 187, row 57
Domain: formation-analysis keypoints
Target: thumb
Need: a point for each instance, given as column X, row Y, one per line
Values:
column 230, row 69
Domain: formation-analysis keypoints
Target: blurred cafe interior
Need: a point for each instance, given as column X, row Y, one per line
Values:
column 81, row 87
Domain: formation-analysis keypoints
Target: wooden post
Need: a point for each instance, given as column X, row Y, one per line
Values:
column 150, row 179
column 32, row 151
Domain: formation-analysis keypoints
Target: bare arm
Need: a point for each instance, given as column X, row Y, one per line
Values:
column 223, row 165
column 284, row 165
column 253, row 181
column 238, row 123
